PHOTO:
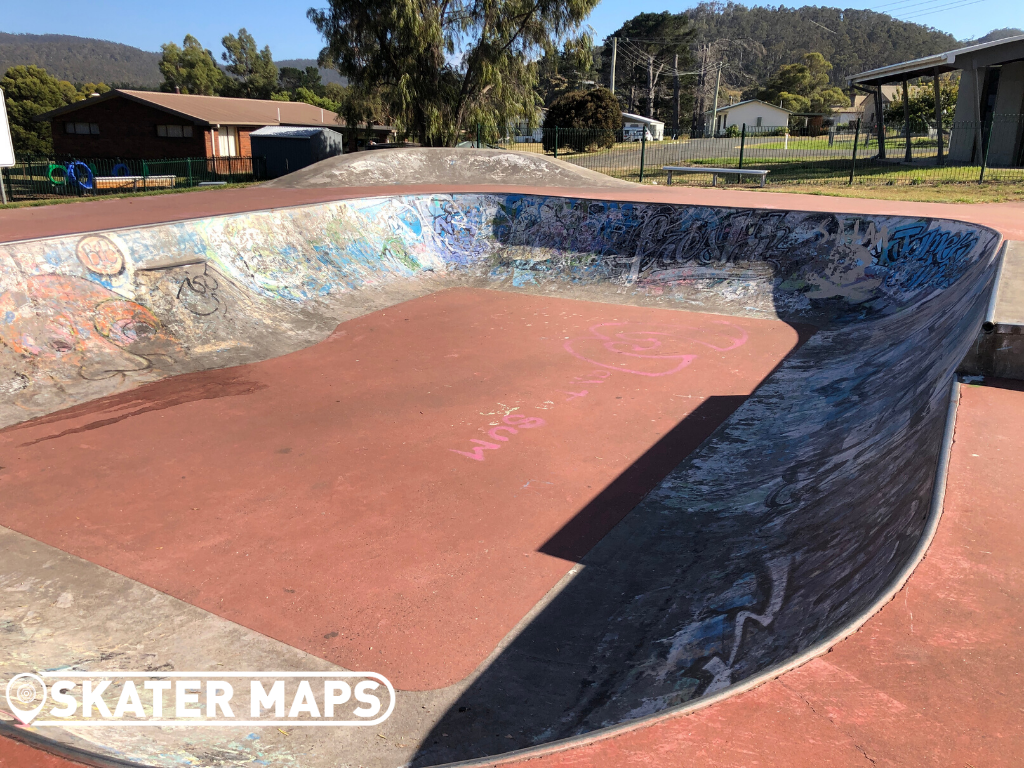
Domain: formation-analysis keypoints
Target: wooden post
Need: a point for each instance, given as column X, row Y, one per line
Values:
column 907, row 157
column 938, row 116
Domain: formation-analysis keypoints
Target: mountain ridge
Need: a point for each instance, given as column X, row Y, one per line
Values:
column 92, row 60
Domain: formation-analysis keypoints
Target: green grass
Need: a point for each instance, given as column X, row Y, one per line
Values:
column 844, row 140
column 941, row 192
column 118, row 195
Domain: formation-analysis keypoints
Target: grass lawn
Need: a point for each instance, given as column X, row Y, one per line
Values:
column 844, row 140
column 949, row 192
column 114, row 196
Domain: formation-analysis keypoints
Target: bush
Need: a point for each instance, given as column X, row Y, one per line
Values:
column 585, row 119
column 732, row 132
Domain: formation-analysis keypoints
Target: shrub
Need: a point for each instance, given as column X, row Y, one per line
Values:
column 585, row 119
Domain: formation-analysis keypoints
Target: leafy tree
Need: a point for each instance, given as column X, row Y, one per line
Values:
column 593, row 118
column 648, row 44
column 804, row 87
column 31, row 91
column 292, row 78
column 254, row 71
column 86, row 90
column 569, row 68
column 922, row 106
column 434, row 67
column 332, row 102
column 190, row 69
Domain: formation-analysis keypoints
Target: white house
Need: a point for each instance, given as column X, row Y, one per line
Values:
column 521, row 131
column 633, row 127
column 754, row 113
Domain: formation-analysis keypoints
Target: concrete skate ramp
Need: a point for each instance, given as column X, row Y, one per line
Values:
column 433, row 165
column 784, row 526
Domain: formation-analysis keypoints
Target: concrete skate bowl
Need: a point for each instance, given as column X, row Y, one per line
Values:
column 771, row 537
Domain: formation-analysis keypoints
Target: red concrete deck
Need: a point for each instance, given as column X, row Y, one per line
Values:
column 479, row 438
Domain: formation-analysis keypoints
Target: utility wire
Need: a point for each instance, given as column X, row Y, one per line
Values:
column 942, row 8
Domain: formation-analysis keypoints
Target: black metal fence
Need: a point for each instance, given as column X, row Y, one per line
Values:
column 34, row 178
column 845, row 154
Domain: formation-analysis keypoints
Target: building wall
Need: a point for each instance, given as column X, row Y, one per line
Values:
column 655, row 129
column 963, row 137
column 748, row 113
column 127, row 130
column 1007, row 127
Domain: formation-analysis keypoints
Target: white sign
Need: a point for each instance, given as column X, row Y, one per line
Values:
column 6, row 146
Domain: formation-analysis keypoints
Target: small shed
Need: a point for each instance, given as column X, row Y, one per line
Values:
column 636, row 126
column 289, row 149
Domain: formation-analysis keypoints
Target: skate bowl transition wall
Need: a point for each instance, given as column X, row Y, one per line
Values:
column 781, row 529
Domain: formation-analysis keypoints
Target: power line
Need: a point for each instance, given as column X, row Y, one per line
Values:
column 943, row 8
column 904, row 5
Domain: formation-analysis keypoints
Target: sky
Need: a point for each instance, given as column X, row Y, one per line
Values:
column 282, row 24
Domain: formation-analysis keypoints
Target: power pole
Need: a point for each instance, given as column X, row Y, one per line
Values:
column 699, row 117
column 675, row 99
column 714, row 109
column 615, row 53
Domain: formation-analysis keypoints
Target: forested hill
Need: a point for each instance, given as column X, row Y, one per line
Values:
column 854, row 41
column 87, row 60
column 81, row 59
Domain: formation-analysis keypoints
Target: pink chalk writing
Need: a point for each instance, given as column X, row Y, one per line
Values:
column 515, row 422
column 648, row 349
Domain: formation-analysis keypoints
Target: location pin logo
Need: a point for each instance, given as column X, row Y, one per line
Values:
column 26, row 695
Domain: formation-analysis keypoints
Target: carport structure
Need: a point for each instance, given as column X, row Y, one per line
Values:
column 991, row 84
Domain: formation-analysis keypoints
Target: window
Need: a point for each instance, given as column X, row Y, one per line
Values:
column 84, row 129
column 174, row 131
column 227, row 142
column 759, row 122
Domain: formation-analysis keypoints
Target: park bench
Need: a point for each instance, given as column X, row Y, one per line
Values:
column 133, row 182
column 713, row 171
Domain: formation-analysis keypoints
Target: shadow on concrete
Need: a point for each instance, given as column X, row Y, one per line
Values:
column 562, row 670
column 596, row 519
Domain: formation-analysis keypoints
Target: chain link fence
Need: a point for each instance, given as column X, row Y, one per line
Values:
column 36, row 178
column 845, row 154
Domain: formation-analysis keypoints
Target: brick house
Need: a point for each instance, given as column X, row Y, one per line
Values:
column 150, row 125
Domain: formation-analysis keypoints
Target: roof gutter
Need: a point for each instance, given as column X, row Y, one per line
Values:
column 896, row 70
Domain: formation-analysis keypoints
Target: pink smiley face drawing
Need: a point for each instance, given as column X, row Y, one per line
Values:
column 652, row 349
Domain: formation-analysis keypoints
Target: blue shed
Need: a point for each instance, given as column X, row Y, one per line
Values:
column 289, row 149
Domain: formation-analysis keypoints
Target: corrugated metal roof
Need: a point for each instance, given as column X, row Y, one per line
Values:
column 289, row 132
column 640, row 119
column 940, row 62
column 726, row 107
column 218, row 110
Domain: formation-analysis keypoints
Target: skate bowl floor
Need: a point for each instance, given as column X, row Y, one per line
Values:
column 552, row 465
